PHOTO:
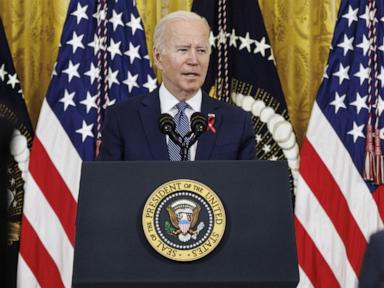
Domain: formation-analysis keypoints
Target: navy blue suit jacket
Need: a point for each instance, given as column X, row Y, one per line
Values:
column 131, row 132
column 372, row 271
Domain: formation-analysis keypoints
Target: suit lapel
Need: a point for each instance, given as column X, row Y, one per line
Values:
column 150, row 113
column 207, row 140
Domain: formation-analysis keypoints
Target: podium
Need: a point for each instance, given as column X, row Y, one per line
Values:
column 257, row 248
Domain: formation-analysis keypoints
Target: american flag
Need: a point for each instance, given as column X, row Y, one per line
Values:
column 337, row 209
column 102, row 60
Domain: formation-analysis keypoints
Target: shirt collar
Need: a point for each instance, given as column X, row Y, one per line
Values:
column 168, row 101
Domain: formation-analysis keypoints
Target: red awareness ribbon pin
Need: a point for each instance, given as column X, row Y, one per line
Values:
column 211, row 122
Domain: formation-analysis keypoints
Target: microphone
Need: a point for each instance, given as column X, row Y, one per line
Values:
column 199, row 125
column 168, row 127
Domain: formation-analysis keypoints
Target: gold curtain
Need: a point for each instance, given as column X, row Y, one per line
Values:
column 300, row 32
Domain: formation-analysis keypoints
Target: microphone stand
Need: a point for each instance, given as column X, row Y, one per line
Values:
column 186, row 145
column 198, row 125
column 184, row 148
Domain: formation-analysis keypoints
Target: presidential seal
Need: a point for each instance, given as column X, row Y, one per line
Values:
column 183, row 220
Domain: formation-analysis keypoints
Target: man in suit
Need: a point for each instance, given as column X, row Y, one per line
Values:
column 181, row 52
column 372, row 271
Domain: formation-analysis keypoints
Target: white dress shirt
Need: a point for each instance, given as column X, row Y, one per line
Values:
column 168, row 104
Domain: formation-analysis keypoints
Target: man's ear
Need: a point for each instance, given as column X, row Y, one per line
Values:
column 157, row 58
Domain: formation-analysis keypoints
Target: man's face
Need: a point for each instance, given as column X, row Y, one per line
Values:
column 184, row 61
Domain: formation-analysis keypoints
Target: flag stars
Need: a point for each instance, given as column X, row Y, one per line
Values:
column 212, row 39
column 325, row 75
column 365, row 16
column 357, row 131
column 261, row 47
column 67, row 100
column 380, row 105
column 134, row 24
column 92, row 73
column 116, row 20
column 372, row 15
column 351, row 16
column 133, row 52
column 271, row 57
column 54, row 73
column 363, row 74
column 112, row 77
column 85, row 131
column 114, row 48
column 76, row 42
column 89, row 102
column 131, row 81
column 221, row 38
column 381, row 76
column 360, row 102
column 258, row 138
column 151, row 83
column 346, row 44
column 80, row 13
column 71, row 71
column 266, row 148
column 2, row 72
column 12, row 80
column 365, row 44
column 381, row 48
column 101, row 15
column 109, row 102
column 246, row 42
column 342, row 73
column 233, row 38
column 96, row 44
column 368, row 15
column 338, row 102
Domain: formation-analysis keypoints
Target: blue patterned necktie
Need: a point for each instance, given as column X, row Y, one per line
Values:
column 182, row 127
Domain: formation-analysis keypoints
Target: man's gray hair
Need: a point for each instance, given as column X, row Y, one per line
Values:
column 161, row 27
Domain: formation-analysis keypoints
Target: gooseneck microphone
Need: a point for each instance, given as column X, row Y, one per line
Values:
column 168, row 127
column 199, row 125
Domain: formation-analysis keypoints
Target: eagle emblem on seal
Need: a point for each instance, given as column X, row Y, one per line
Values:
column 184, row 215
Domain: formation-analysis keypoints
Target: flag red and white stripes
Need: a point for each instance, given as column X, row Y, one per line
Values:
column 335, row 212
column 48, row 232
